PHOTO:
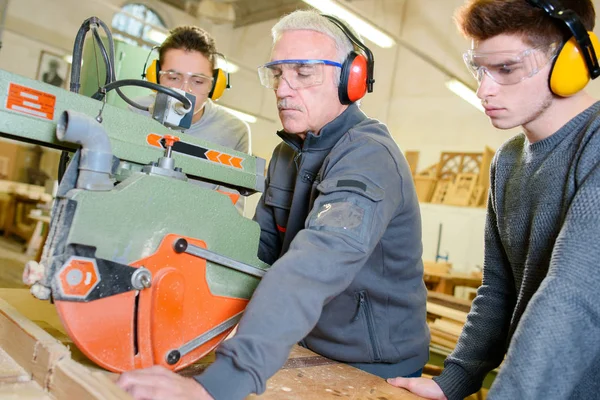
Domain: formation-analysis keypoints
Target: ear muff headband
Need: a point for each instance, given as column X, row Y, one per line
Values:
column 356, row 77
column 577, row 60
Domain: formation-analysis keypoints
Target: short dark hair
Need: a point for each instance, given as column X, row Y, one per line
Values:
column 484, row 19
column 189, row 38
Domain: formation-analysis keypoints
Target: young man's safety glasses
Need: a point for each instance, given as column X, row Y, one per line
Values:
column 506, row 67
column 297, row 73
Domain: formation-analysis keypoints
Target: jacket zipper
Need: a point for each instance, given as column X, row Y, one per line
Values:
column 296, row 157
column 364, row 304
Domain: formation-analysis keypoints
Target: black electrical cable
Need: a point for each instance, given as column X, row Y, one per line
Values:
column 110, row 75
column 74, row 85
column 149, row 85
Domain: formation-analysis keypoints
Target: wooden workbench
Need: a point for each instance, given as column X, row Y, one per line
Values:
column 38, row 361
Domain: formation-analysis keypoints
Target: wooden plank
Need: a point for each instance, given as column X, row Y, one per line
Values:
column 23, row 391
column 412, row 157
column 446, row 312
column 29, row 345
column 424, row 186
column 443, row 334
column 448, row 326
column 445, row 300
column 449, row 344
column 72, row 380
column 311, row 380
column 47, row 361
column 10, row 371
column 432, row 267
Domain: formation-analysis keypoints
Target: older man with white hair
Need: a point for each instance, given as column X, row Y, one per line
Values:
column 340, row 225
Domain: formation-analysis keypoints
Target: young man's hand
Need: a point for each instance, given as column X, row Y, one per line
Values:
column 159, row 383
column 423, row 387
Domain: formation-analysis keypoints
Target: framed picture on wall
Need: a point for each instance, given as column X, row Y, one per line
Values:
column 52, row 69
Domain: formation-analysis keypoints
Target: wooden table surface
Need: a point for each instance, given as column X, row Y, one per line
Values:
column 305, row 375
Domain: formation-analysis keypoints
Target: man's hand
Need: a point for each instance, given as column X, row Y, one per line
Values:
column 423, row 387
column 159, row 383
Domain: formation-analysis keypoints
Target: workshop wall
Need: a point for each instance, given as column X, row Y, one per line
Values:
column 409, row 93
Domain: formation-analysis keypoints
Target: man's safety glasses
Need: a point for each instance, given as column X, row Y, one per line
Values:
column 509, row 68
column 199, row 83
column 297, row 73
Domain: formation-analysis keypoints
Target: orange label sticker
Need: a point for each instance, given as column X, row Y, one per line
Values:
column 154, row 140
column 30, row 101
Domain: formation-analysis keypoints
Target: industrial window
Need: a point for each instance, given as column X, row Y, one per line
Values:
column 139, row 25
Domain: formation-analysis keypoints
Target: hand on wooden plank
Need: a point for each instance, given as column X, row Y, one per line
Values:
column 423, row 387
column 159, row 383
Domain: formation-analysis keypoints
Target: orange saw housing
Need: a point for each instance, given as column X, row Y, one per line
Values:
column 138, row 329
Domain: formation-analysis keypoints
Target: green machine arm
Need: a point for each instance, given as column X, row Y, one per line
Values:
column 31, row 109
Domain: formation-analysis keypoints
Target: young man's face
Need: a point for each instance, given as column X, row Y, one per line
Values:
column 304, row 109
column 190, row 71
column 513, row 79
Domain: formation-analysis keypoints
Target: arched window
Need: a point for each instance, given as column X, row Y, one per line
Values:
column 136, row 24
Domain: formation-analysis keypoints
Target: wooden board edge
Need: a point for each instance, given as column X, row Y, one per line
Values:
column 71, row 380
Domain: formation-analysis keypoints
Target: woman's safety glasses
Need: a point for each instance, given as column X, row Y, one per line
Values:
column 198, row 83
column 297, row 73
column 509, row 68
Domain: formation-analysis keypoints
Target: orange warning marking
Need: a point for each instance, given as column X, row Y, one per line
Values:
column 154, row 140
column 224, row 159
column 213, row 156
column 236, row 162
column 30, row 101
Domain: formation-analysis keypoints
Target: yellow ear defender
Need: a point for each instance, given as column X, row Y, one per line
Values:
column 570, row 72
column 577, row 59
column 220, row 83
column 220, row 78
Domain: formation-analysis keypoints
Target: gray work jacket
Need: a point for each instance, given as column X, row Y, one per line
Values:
column 340, row 224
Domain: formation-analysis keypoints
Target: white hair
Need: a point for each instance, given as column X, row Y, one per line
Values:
column 311, row 20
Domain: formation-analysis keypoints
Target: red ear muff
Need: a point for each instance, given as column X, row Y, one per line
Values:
column 353, row 78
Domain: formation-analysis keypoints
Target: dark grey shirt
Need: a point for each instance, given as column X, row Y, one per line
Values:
column 540, row 295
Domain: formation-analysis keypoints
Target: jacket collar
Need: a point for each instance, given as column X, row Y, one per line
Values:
column 330, row 134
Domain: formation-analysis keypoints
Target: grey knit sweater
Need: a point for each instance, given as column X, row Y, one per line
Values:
column 540, row 297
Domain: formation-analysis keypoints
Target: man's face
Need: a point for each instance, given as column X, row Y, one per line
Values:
column 309, row 108
column 195, row 75
column 509, row 59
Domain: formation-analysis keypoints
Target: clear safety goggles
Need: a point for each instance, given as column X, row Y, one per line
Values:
column 506, row 67
column 297, row 73
column 199, row 83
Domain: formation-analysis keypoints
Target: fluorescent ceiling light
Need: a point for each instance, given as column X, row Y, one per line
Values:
column 364, row 28
column 227, row 66
column 465, row 92
column 241, row 115
column 156, row 36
